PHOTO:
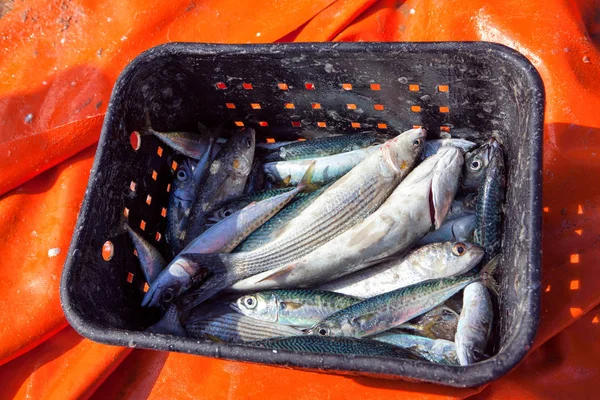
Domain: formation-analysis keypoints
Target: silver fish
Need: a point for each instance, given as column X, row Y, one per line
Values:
column 233, row 327
column 474, row 324
column 151, row 261
column 327, row 169
column 476, row 162
column 435, row 350
column 460, row 229
column 226, row 179
column 432, row 146
column 381, row 313
column 181, row 200
column 433, row 261
column 418, row 203
column 343, row 205
column 222, row 237
column 299, row 308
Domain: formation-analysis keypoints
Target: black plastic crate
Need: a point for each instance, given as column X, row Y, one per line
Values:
column 285, row 91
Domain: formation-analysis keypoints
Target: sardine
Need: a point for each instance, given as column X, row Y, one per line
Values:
column 180, row 202
column 226, row 180
column 234, row 327
column 432, row 146
column 433, row 261
column 299, row 308
column 344, row 204
column 338, row 345
column 438, row 351
column 327, row 169
column 474, row 324
column 222, row 237
column 439, row 323
column 151, row 261
column 459, row 229
column 381, row 313
column 418, row 203
column 476, row 163
column 489, row 204
column 326, row 146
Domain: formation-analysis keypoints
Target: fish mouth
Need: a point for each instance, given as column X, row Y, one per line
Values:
column 235, row 307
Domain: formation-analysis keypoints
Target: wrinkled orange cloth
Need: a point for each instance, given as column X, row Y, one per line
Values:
column 58, row 62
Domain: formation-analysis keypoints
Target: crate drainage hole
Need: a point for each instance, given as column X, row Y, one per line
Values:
column 129, row 277
column 135, row 140
column 108, row 250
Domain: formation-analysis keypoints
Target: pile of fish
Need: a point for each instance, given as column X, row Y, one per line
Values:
column 362, row 244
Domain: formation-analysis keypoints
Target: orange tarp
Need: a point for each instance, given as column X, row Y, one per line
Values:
column 58, row 62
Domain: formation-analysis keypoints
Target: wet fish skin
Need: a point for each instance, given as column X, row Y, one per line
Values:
column 226, row 209
column 327, row 169
column 489, row 204
column 222, row 237
column 460, row 229
column 380, row 313
column 256, row 179
column 344, row 204
column 439, row 323
column 299, row 308
column 151, row 261
column 226, row 180
column 462, row 206
column 326, row 146
column 432, row 261
column 432, row 146
column 265, row 233
column 420, row 201
column 476, row 163
column 180, row 202
column 474, row 324
column 169, row 324
column 232, row 327
column 337, row 345
column 438, row 351
column 190, row 144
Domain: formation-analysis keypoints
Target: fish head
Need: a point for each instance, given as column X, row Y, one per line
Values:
column 459, row 258
column 261, row 306
column 444, row 183
column 327, row 328
column 184, row 189
column 225, row 211
column 242, row 157
column 476, row 163
column 171, row 282
column 401, row 152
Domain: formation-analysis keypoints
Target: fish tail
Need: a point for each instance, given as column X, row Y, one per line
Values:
column 306, row 184
column 487, row 275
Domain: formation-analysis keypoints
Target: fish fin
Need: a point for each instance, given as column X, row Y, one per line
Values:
column 306, row 184
column 290, row 305
column 214, row 338
column 450, row 310
column 276, row 273
column 487, row 275
column 363, row 318
column 286, row 181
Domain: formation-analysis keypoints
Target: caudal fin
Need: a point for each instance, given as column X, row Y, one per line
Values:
column 306, row 184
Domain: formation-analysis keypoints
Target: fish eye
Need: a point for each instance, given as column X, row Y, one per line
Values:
column 168, row 296
column 249, row 143
column 250, row 302
column 475, row 164
column 270, row 178
column 227, row 213
column 181, row 175
column 417, row 142
column 459, row 249
column 323, row 331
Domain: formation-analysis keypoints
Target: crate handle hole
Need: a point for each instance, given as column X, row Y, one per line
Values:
column 135, row 140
